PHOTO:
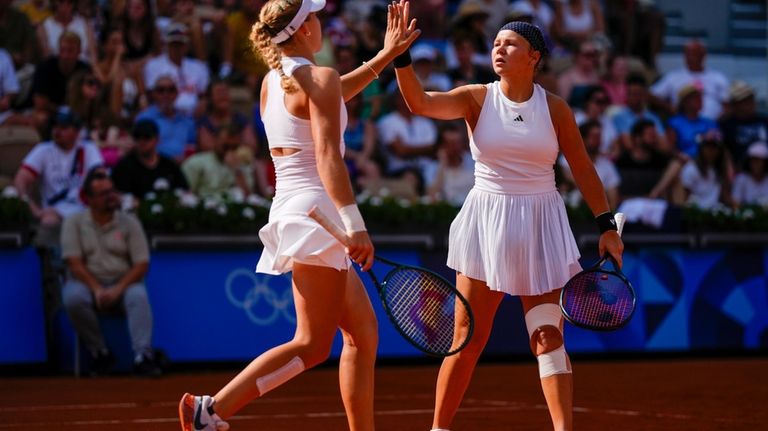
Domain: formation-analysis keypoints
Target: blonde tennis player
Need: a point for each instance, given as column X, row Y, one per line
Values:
column 512, row 234
column 303, row 111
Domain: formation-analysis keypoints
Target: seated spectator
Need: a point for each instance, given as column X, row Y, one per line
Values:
column 190, row 73
column 636, row 109
column 705, row 177
column 595, row 110
column 36, row 10
column 468, row 72
column 141, row 38
column 17, row 35
column 615, row 79
column 684, row 128
column 221, row 169
column 592, row 135
column 360, row 145
column 713, row 84
column 240, row 62
column 58, row 167
column 177, row 130
column 743, row 125
column 456, row 170
column 751, row 185
column 9, row 86
column 107, row 258
column 66, row 19
column 122, row 78
column 425, row 65
column 642, row 164
column 219, row 116
column 577, row 21
column 470, row 23
column 49, row 87
column 373, row 94
column 139, row 170
column 573, row 83
column 541, row 13
column 636, row 28
column 187, row 14
column 409, row 144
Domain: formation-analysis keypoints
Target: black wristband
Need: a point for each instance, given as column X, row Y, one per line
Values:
column 403, row 60
column 606, row 222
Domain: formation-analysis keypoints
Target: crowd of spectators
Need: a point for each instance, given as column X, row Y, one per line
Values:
column 169, row 89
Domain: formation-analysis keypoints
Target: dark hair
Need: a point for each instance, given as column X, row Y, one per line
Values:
column 144, row 129
column 587, row 127
column 592, row 90
column 636, row 79
column 640, row 126
column 96, row 173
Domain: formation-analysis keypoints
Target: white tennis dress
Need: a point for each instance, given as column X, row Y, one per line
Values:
column 290, row 235
column 512, row 231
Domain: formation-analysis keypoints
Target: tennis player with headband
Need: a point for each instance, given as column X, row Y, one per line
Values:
column 303, row 111
column 512, row 234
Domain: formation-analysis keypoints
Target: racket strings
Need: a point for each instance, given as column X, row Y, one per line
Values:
column 599, row 300
column 423, row 307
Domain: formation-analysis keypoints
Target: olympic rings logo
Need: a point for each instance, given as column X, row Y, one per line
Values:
column 254, row 293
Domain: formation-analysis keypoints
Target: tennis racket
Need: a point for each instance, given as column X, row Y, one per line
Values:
column 599, row 298
column 425, row 308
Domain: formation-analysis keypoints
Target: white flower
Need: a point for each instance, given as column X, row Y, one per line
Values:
column 189, row 200
column 384, row 192
column 426, row 200
column 127, row 203
column 405, row 203
column 156, row 209
column 249, row 213
column 210, row 202
column 363, row 196
column 221, row 210
column 257, row 201
column 376, row 201
column 237, row 195
column 10, row 192
column 179, row 193
column 150, row 196
column 161, row 184
column 748, row 214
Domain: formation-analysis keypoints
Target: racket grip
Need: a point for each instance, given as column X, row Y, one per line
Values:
column 328, row 225
column 620, row 219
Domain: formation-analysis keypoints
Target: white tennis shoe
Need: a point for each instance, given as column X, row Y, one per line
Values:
column 194, row 415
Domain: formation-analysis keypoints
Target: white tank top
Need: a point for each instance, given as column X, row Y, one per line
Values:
column 54, row 30
column 284, row 130
column 578, row 23
column 514, row 144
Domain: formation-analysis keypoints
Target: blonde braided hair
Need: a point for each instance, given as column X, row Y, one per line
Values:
column 274, row 16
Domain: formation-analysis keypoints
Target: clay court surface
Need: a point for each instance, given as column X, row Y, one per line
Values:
column 705, row 394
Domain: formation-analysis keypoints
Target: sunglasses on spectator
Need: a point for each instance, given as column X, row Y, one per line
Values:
column 165, row 89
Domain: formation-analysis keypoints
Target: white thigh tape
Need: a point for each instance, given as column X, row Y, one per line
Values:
column 280, row 375
column 542, row 315
column 554, row 362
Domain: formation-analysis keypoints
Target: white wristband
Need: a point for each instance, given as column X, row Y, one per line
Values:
column 353, row 221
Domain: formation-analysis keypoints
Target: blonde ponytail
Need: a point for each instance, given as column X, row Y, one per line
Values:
column 275, row 14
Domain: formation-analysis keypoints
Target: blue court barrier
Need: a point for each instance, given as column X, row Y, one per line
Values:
column 21, row 298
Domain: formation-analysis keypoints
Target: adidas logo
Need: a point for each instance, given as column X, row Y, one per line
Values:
column 519, row 118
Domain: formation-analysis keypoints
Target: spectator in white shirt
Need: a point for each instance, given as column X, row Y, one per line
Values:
column 191, row 75
column 713, row 83
column 705, row 177
column 58, row 166
column 9, row 85
column 751, row 186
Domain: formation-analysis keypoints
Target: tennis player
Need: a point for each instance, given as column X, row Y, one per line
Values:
column 303, row 111
column 512, row 234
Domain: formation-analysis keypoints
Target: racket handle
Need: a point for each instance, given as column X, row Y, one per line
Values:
column 620, row 219
column 328, row 225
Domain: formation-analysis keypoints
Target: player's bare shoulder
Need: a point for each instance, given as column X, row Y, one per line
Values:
column 318, row 80
column 558, row 108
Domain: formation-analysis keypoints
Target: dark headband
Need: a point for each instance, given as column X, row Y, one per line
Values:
column 529, row 32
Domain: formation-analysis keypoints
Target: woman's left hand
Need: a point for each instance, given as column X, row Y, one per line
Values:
column 610, row 243
column 401, row 30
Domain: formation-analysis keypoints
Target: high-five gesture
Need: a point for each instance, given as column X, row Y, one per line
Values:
column 401, row 29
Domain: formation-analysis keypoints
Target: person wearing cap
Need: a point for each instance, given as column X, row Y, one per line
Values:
column 707, row 177
column 743, row 124
column 514, row 213
column 750, row 187
column 684, row 127
column 190, row 75
column 138, row 171
column 713, row 83
column 302, row 106
column 58, row 167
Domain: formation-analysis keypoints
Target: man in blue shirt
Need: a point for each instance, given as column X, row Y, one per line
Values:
column 177, row 130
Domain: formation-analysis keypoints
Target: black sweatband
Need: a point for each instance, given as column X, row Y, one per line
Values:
column 606, row 222
column 403, row 60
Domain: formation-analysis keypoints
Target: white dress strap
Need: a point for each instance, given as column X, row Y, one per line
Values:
column 290, row 64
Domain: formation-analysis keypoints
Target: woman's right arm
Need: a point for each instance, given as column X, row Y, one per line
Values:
column 323, row 88
column 452, row 105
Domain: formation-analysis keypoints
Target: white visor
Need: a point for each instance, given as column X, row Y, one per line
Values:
column 307, row 7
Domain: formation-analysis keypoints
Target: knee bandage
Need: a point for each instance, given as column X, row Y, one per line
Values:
column 280, row 375
column 555, row 361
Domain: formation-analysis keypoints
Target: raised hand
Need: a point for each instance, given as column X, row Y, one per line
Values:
column 401, row 29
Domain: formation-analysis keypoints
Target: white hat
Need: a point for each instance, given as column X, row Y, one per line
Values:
column 423, row 52
column 307, row 7
column 758, row 150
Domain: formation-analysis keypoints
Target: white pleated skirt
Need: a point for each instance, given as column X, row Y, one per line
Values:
column 291, row 236
column 517, row 244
